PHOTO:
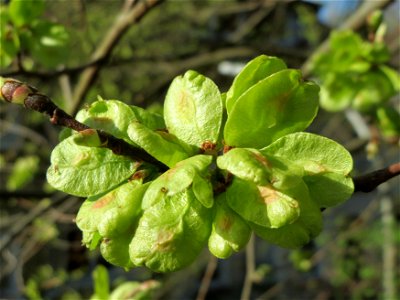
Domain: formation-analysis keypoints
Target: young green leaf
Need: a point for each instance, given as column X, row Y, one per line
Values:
column 114, row 117
column 257, row 69
column 115, row 212
column 376, row 88
column 327, row 165
column 171, row 233
column 338, row 91
column 193, row 109
column 329, row 189
column 48, row 44
column 24, row 12
column 161, row 145
column 299, row 233
column 247, row 164
column 86, row 171
column 115, row 250
column 263, row 205
column 101, row 283
column 229, row 233
column 274, row 107
column 314, row 152
column 389, row 121
column 179, row 178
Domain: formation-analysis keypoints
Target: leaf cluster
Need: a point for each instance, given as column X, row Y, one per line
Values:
column 354, row 73
column 238, row 163
column 25, row 34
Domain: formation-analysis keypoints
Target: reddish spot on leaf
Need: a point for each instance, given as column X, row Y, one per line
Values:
column 164, row 240
column 267, row 194
column 103, row 201
column 262, row 160
column 226, row 223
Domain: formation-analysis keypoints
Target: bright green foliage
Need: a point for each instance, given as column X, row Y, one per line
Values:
column 171, row 233
column 256, row 70
column 188, row 174
column 259, row 175
column 101, row 283
column 129, row 290
column 163, row 146
column 354, row 74
column 193, row 109
column 87, row 169
column 325, row 164
column 23, row 30
column 114, row 117
column 247, row 164
column 229, row 231
column 23, row 172
column 277, row 105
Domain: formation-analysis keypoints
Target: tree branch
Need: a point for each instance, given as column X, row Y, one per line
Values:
column 120, row 26
column 370, row 181
column 17, row 92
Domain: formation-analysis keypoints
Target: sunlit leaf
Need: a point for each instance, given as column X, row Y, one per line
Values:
column 193, row 109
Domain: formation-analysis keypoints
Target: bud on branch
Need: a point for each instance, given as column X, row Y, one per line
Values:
column 17, row 92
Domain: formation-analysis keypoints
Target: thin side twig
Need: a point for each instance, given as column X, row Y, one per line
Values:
column 14, row 91
column 368, row 182
column 122, row 23
column 250, row 269
column 208, row 275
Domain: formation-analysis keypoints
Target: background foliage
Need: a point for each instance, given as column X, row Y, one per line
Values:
column 51, row 43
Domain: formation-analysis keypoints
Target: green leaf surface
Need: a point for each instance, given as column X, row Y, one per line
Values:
column 114, row 117
column 24, row 12
column 9, row 40
column 392, row 75
column 327, row 165
column 329, row 189
column 115, row 250
column 23, row 171
column 203, row 190
column 193, row 109
column 256, row 70
column 115, row 212
column 124, row 291
column 161, row 145
column 247, row 164
column 389, row 121
column 229, row 233
column 86, row 171
column 317, row 154
column 262, row 205
column 48, row 44
column 375, row 89
column 276, row 106
column 101, row 283
column 297, row 234
column 179, row 178
column 133, row 290
column 171, row 233
column 338, row 91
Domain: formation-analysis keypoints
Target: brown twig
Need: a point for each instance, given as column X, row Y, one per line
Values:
column 368, row 182
column 208, row 275
column 124, row 20
column 14, row 91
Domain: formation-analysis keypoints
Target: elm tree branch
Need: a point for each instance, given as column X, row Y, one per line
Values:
column 368, row 182
column 17, row 92
column 122, row 23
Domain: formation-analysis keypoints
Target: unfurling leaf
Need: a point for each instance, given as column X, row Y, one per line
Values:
column 276, row 106
column 193, row 109
column 87, row 171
